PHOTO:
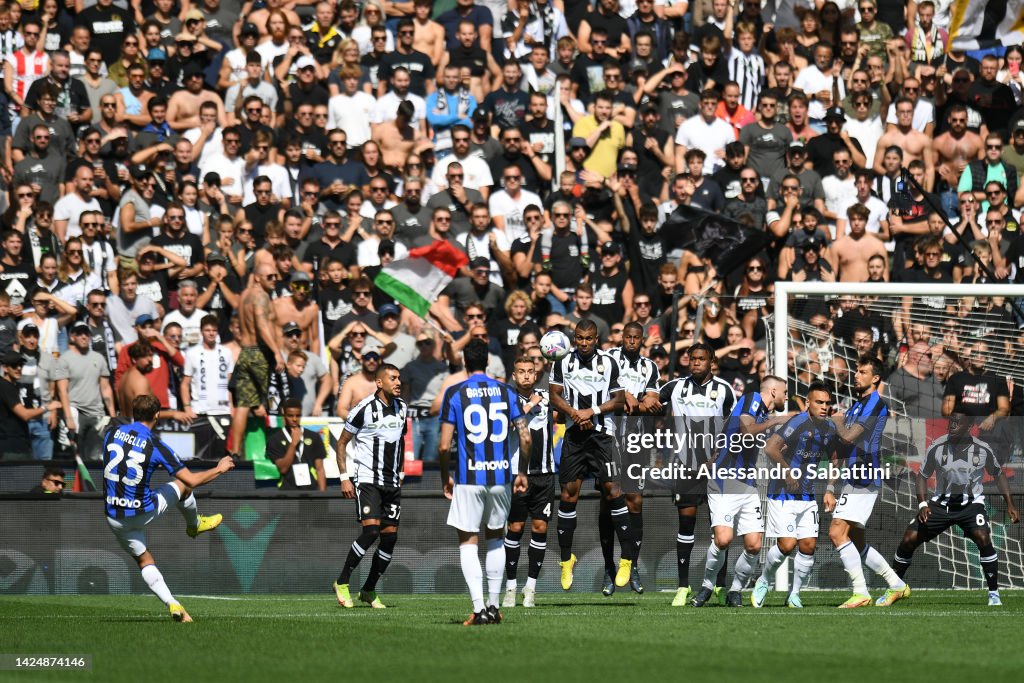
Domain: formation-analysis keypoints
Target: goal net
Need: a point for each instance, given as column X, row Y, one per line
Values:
column 924, row 334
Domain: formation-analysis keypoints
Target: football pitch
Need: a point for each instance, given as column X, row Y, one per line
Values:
column 935, row 635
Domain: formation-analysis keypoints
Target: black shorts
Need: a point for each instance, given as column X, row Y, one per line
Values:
column 941, row 518
column 690, row 492
column 379, row 502
column 588, row 452
column 537, row 502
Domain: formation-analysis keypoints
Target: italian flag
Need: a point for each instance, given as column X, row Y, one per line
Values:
column 416, row 281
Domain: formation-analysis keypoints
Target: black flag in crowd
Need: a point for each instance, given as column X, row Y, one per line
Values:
column 728, row 243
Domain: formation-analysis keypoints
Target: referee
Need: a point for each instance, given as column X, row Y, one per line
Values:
column 584, row 387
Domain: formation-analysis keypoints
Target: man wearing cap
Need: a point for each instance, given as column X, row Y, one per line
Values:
column 84, row 391
column 19, row 405
column 306, row 88
column 36, row 372
column 820, row 148
column 389, row 318
column 314, row 398
column 300, row 308
column 254, row 85
column 165, row 356
column 809, row 182
column 183, row 107
column 232, row 69
column 612, row 292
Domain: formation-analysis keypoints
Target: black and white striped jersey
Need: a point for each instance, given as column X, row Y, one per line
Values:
column 637, row 376
column 959, row 466
column 378, row 441
column 542, row 450
column 587, row 383
column 699, row 413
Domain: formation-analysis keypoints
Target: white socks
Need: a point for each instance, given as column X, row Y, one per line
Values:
column 772, row 561
column 713, row 564
column 745, row 566
column 495, row 569
column 155, row 580
column 511, row 584
column 876, row 563
column 471, row 571
column 802, row 566
column 851, row 562
column 189, row 510
column 531, row 583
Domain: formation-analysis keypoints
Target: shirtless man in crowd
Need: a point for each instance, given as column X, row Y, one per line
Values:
column 914, row 143
column 301, row 309
column 957, row 147
column 429, row 37
column 183, row 107
column 850, row 253
column 397, row 138
column 260, row 337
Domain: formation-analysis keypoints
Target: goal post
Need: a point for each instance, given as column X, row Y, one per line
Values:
column 950, row 319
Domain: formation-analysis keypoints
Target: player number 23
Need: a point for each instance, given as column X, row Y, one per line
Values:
column 134, row 474
column 478, row 420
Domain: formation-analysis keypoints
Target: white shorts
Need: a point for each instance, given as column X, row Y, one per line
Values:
column 792, row 519
column 741, row 511
column 472, row 504
column 855, row 504
column 130, row 531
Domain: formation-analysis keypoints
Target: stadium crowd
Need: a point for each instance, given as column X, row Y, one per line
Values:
column 163, row 159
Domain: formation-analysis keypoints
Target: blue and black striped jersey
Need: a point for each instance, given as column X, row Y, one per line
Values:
column 808, row 442
column 130, row 456
column 872, row 413
column 735, row 452
column 482, row 410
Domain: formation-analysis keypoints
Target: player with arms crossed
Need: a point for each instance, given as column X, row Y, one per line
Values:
column 793, row 517
column 959, row 463
column 698, row 405
column 734, row 503
column 585, row 388
column 376, row 429
column 538, row 499
column 860, row 433
column 131, row 453
column 479, row 413
column 638, row 376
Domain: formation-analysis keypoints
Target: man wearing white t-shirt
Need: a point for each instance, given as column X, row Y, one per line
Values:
column 819, row 81
column 507, row 206
column 351, row 109
column 476, row 172
column 878, row 218
column 69, row 207
column 187, row 315
column 204, row 390
column 705, row 132
column 387, row 106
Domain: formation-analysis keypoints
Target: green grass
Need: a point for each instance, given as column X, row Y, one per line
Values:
column 934, row 636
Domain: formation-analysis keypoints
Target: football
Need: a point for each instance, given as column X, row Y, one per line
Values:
column 554, row 345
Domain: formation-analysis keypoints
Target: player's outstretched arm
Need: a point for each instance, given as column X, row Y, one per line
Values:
column 194, row 480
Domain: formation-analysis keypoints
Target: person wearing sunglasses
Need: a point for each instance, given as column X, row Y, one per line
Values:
column 52, row 482
column 301, row 309
column 16, row 412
